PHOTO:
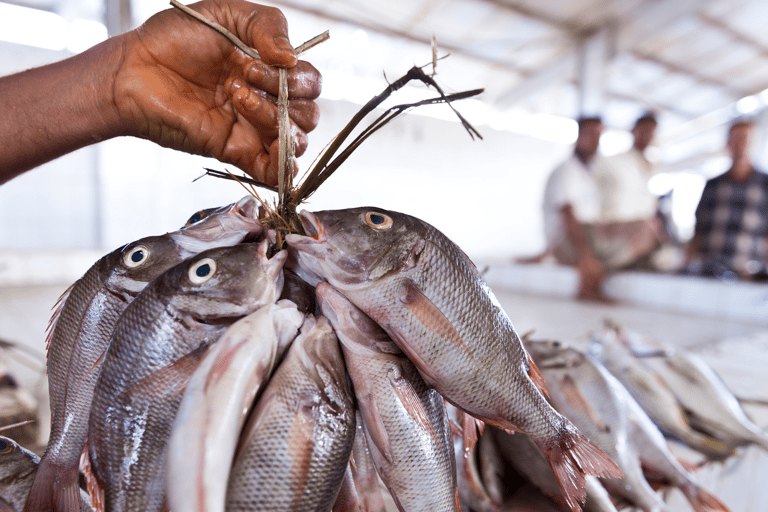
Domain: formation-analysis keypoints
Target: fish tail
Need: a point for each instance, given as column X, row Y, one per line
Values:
column 702, row 500
column 55, row 489
column 572, row 456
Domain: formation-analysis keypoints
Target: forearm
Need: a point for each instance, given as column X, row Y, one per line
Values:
column 49, row 111
column 574, row 230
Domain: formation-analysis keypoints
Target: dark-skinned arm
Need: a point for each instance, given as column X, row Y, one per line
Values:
column 174, row 81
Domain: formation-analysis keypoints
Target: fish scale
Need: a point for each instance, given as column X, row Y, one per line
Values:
column 81, row 328
column 298, row 441
column 154, row 350
column 406, row 423
column 431, row 300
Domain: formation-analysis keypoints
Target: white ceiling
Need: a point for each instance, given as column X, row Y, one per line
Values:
column 690, row 61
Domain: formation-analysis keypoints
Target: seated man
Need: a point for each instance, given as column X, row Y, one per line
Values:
column 731, row 234
column 598, row 214
column 571, row 204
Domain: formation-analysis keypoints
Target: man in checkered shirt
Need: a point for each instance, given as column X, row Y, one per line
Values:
column 731, row 233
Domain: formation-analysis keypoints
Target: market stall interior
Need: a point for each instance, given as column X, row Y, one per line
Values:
column 697, row 65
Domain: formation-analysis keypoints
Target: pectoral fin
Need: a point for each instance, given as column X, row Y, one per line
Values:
column 374, row 426
column 572, row 393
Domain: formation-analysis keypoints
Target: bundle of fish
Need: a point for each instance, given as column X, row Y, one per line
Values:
column 626, row 395
column 207, row 369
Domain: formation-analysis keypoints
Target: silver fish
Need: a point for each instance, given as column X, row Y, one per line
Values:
column 296, row 445
column 519, row 451
column 466, row 433
column 364, row 472
column 215, row 403
column 17, row 470
column 710, row 405
column 657, row 458
column 81, row 328
column 652, row 393
column 431, row 300
column 156, row 346
column 405, row 421
column 591, row 397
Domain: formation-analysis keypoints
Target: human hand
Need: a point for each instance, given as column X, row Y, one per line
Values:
column 591, row 277
column 186, row 87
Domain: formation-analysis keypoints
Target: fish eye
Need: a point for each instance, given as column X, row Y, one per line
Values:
column 378, row 221
column 5, row 446
column 198, row 216
column 202, row 271
column 136, row 256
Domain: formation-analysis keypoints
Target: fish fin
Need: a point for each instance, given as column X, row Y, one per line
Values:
column 95, row 489
column 411, row 401
column 572, row 456
column 701, row 500
column 470, row 435
column 55, row 488
column 58, row 307
column 374, row 426
column 347, row 499
column 433, row 319
column 168, row 381
column 535, row 374
column 580, row 402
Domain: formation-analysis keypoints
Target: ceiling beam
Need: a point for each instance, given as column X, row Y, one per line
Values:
column 695, row 75
column 396, row 33
column 630, row 32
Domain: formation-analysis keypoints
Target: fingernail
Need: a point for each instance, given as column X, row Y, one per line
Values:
column 235, row 85
column 283, row 43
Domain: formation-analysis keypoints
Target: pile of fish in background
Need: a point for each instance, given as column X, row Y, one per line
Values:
column 207, row 369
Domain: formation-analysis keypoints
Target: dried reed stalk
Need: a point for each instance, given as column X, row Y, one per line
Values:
column 284, row 218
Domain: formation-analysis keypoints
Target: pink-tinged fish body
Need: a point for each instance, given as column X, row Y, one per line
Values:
column 156, row 346
column 591, row 397
column 215, row 403
column 405, row 421
column 83, row 323
column 431, row 300
column 297, row 442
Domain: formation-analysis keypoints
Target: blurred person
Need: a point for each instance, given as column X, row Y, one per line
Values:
column 624, row 178
column 731, row 234
column 174, row 81
column 571, row 205
column 630, row 228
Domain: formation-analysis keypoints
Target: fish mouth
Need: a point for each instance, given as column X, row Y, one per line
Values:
column 312, row 226
column 248, row 207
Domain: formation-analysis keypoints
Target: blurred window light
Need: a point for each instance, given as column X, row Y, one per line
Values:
column 748, row 104
column 85, row 33
column 541, row 126
column 661, row 183
column 685, row 198
column 613, row 142
column 33, row 27
column 48, row 30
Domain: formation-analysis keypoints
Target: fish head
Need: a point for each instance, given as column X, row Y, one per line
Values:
column 553, row 353
column 130, row 268
column 16, row 463
column 356, row 245
column 218, row 227
column 225, row 282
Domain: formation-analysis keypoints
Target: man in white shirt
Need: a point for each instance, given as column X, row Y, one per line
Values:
column 571, row 204
column 623, row 180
